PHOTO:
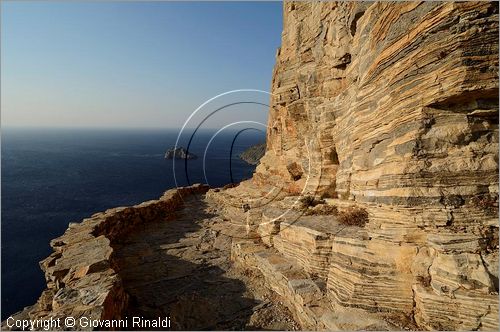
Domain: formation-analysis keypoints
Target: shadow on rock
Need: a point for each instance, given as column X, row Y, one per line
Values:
column 172, row 269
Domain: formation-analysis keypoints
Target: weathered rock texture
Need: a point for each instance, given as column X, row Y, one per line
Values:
column 162, row 258
column 386, row 108
column 81, row 273
column 394, row 107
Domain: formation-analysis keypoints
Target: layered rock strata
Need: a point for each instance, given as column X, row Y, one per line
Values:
column 167, row 258
column 293, row 252
column 388, row 108
column 81, row 273
column 393, row 107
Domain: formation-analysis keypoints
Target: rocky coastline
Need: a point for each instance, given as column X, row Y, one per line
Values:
column 82, row 278
column 388, row 111
column 253, row 154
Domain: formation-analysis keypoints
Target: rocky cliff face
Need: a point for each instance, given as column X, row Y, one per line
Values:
column 388, row 112
column 394, row 107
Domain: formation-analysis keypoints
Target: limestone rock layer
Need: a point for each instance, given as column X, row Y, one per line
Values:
column 393, row 107
column 388, row 108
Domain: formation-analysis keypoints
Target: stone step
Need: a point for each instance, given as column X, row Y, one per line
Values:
column 343, row 257
column 303, row 294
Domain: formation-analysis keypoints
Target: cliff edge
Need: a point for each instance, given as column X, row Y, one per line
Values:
column 375, row 206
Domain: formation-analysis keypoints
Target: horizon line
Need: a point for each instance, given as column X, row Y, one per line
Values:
column 104, row 127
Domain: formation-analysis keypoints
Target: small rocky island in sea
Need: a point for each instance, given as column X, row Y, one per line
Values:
column 179, row 153
column 253, row 154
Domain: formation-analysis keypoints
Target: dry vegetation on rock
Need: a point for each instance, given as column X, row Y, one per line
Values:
column 391, row 109
column 353, row 216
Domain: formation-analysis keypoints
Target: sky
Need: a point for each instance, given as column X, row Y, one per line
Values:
column 135, row 64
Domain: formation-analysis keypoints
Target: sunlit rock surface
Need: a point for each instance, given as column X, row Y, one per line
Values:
column 394, row 107
column 386, row 108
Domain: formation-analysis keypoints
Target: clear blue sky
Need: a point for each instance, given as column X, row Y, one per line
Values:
column 130, row 64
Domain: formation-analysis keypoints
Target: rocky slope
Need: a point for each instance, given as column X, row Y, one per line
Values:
column 82, row 276
column 166, row 258
column 394, row 108
column 253, row 154
column 385, row 111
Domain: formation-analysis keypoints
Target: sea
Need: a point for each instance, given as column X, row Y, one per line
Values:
column 53, row 176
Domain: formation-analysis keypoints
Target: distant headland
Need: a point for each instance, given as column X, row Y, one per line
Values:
column 179, row 153
column 253, row 154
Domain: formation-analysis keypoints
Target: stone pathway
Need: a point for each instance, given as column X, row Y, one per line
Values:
column 181, row 268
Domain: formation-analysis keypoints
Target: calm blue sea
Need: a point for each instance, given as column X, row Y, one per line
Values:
column 51, row 177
